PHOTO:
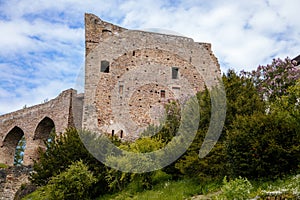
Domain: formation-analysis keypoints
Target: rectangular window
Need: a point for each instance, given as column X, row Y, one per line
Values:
column 104, row 66
column 175, row 72
column 163, row 94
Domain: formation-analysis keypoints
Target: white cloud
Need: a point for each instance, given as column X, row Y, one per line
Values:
column 42, row 42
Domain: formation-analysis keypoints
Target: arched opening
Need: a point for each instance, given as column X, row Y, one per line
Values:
column 19, row 152
column 44, row 130
column 13, row 147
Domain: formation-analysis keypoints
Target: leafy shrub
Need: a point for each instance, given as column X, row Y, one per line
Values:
column 73, row 184
column 237, row 189
column 274, row 79
column 61, row 152
column 119, row 180
column 263, row 146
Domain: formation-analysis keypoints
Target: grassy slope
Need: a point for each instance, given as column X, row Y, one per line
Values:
column 185, row 189
column 173, row 190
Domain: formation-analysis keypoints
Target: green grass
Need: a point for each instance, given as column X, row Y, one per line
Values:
column 289, row 187
column 184, row 189
column 286, row 188
column 166, row 190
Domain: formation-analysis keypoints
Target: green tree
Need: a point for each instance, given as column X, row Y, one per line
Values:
column 267, row 143
column 263, row 145
column 274, row 79
column 212, row 165
column 242, row 97
column 62, row 151
column 119, row 180
column 242, row 100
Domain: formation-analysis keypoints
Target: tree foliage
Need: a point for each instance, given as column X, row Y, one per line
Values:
column 74, row 183
column 61, row 152
column 274, row 79
column 263, row 146
column 242, row 100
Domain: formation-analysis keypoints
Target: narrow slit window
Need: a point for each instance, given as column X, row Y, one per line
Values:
column 121, row 88
column 121, row 134
column 163, row 94
column 104, row 66
column 175, row 72
column 112, row 133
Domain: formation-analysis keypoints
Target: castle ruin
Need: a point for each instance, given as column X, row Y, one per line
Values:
column 129, row 76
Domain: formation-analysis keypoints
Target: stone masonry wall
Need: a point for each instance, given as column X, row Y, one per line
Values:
column 35, row 123
column 139, row 61
column 11, row 180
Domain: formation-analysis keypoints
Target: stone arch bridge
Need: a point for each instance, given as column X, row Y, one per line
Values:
column 35, row 124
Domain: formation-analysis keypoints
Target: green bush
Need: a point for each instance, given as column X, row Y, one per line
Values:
column 119, row 180
column 62, row 151
column 72, row 184
column 237, row 189
column 263, row 146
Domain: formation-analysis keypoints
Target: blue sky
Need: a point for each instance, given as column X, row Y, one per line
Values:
column 42, row 41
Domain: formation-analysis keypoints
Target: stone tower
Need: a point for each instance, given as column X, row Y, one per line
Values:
column 130, row 74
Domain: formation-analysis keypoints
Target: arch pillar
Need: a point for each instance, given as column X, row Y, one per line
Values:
column 9, row 144
column 36, row 141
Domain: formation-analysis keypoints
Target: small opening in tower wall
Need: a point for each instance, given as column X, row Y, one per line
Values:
column 121, row 87
column 121, row 134
column 163, row 94
column 175, row 72
column 133, row 53
column 104, row 66
column 106, row 31
column 112, row 133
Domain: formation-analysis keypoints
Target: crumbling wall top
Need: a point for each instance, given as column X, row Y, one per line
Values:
column 97, row 30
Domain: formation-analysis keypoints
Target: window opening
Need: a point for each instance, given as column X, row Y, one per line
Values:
column 163, row 94
column 121, row 87
column 104, row 66
column 175, row 72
